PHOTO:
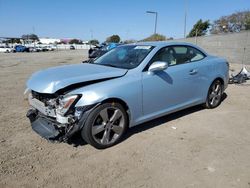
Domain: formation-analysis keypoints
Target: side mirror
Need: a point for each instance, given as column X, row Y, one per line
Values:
column 158, row 66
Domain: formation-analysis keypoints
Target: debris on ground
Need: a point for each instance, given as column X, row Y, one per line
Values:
column 241, row 77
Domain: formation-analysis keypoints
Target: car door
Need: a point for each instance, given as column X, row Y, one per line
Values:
column 173, row 88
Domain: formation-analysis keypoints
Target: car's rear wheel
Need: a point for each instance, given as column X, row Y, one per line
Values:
column 105, row 125
column 214, row 96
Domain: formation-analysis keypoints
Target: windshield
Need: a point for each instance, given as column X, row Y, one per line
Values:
column 126, row 57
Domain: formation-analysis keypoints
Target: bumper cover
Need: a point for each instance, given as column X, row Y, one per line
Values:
column 45, row 129
column 42, row 126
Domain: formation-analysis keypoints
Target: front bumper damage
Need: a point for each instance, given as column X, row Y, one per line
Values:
column 45, row 122
column 43, row 126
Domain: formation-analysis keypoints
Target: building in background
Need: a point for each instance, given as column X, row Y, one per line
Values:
column 49, row 40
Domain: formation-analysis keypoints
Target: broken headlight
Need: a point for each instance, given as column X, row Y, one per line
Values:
column 64, row 103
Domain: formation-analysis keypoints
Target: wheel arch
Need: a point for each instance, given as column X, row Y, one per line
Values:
column 206, row 104
column 217, row 78
column 220, row 79
column 120, row 101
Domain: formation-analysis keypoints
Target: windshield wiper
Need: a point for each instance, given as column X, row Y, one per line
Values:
column 110, row 65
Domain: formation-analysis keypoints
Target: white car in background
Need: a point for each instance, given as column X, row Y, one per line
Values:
column 6, row 49
column 51, row 48
column 48, row 48
column 38, row 48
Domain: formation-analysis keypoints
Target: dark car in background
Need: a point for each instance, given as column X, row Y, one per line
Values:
column 72, row 47
column 21, row 48
column 98, row 51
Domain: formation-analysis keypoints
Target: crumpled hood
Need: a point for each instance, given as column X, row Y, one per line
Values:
column 56, row 78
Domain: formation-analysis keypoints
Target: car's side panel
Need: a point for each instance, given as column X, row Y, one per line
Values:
column 175, row 87
column 189, row 90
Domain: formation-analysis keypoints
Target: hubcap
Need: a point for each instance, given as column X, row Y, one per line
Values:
column 215, row 94
column 108, row 125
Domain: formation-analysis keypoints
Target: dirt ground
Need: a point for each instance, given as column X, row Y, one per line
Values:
column 192, row 148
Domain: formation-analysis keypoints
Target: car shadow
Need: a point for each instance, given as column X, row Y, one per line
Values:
column 164, row 119
column 164, row 76
column 77, row 140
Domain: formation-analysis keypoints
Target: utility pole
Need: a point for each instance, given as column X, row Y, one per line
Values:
column 33, row 28
column 91, row 36
column 156, row 17
column 185, row 18
column 196, row 33
column 91, row 33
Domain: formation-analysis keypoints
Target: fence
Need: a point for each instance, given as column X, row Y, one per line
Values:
column 235, row 47
column 62, row 46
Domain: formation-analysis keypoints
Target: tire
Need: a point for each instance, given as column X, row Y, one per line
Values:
column 105, row 125
column 214, row 96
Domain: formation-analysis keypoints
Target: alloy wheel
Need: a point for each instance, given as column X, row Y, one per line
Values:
column 108, row 126
column 215, row 94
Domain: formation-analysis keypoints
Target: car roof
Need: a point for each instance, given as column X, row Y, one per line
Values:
column 161, row 44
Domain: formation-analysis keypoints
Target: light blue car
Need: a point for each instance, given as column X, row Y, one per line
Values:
column 127, row 86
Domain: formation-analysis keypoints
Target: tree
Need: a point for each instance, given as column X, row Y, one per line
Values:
column 114, row 38
column 199, row 29
column 75, row 41
column 31, row 37
column 12, row 40
column 233, row 23
column 94, row 42
column 155, row 37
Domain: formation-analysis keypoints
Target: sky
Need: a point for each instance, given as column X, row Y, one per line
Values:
column 98, row 19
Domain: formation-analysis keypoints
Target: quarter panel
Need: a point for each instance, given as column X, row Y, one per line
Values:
column 217, row 68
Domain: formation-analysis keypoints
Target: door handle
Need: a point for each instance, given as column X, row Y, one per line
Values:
column 193, row 71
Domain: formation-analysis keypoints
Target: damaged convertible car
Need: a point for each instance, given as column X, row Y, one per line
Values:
column 127, row 86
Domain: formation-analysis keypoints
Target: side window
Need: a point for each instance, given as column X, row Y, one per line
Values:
column 165, row 54
column 195, row 55
column 180, row 50
column 176, row 55
column 186, row 54
column 181, row 54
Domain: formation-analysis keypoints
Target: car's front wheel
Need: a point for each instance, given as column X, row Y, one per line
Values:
column 214, row 96
column 105, row 125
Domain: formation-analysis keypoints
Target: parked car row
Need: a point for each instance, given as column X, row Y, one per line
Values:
column 22, row 48
column 5, row 49
column 41, row 49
